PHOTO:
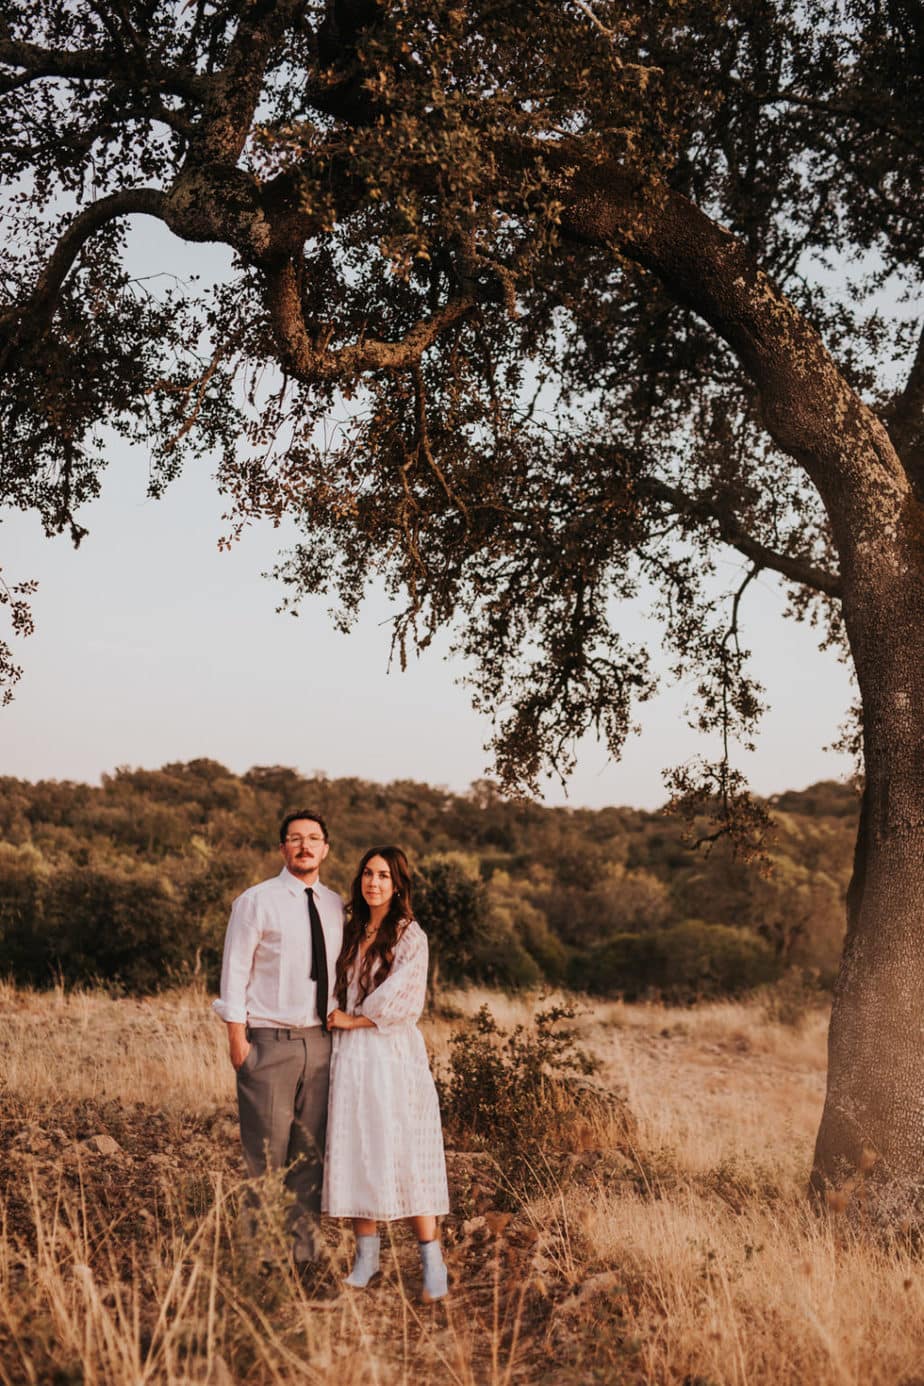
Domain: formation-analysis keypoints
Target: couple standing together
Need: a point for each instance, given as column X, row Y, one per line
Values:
column 333, row 1082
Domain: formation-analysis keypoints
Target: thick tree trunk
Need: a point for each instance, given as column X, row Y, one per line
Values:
column 872, row 1129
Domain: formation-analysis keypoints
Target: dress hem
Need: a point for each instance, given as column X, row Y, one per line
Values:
column 389, row 1217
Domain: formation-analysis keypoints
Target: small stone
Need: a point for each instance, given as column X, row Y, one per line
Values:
column 101, row 1144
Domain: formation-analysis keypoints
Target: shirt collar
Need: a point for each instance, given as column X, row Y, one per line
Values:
column 293, row 884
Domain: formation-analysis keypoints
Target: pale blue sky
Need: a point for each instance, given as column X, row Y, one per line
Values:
column 152, row 646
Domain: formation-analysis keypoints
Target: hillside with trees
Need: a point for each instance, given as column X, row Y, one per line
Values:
column 130, row 882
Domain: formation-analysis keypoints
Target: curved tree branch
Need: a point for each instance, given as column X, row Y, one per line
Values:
column 733, row 533
column 29, row 319
column 35, row 62
column 307, row 356
column 117, row 24
column 853, row 109
column 854, row 465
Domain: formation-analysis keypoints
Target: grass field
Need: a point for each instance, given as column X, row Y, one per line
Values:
column 685, row 1253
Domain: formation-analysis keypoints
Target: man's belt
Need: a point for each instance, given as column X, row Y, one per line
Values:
column 269, row 1032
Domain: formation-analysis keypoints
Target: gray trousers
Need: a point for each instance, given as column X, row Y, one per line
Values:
column 282, row 1103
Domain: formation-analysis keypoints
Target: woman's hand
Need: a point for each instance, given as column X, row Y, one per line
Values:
column 340, row 1020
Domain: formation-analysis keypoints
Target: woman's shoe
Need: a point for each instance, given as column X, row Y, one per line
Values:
column 435, row 1274
column 365, row 1264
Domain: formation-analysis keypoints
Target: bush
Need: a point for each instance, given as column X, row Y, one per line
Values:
column 613, row 900
column 549, row 952
column 522, row 1095
column 99, row 921
column 684, row 963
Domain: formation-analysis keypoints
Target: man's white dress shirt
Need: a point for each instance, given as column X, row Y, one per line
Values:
column 265, row 972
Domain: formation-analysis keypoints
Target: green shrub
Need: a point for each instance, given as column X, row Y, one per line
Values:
column 520, row 1095
column 549, row 952
column 684, row 963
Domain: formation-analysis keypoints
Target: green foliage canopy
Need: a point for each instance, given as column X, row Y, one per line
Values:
column 552, row 255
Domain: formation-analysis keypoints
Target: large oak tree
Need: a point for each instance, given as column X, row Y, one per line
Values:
column 597, row 291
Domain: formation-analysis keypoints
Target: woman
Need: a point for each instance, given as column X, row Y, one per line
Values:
column 384, row 1156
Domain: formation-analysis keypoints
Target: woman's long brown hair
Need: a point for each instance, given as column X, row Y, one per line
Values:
column 376, row 965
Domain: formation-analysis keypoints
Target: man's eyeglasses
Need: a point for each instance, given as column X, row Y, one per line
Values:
column 305, row 841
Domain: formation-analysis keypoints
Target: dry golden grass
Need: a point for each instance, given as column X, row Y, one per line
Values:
column 81, row 1044
column 689, row 1258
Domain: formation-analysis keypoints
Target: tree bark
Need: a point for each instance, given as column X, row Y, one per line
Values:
column 872, row 1128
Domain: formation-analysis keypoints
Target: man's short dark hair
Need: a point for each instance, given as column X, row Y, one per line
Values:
column 312, row 814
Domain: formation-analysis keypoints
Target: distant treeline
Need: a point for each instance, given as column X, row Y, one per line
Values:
column 130, row 882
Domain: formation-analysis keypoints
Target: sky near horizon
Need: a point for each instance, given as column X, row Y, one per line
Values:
column 152, row 646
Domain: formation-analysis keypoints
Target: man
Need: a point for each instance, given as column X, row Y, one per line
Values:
column 277, row 973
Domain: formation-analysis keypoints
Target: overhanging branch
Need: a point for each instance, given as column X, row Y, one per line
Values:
column 35, row 62
column 733, row 533
column 635, row 215
column 308, row 356
column 31, row 317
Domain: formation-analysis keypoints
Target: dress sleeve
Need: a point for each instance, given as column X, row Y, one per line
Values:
column 400, row 999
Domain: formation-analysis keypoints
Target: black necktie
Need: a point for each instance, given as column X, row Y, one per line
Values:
column 318, row 957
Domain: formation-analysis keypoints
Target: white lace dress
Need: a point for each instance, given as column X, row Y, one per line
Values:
column 384, row 1139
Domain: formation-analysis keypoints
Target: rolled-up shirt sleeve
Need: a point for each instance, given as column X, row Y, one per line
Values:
column 241, row 939
column 400, row 998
